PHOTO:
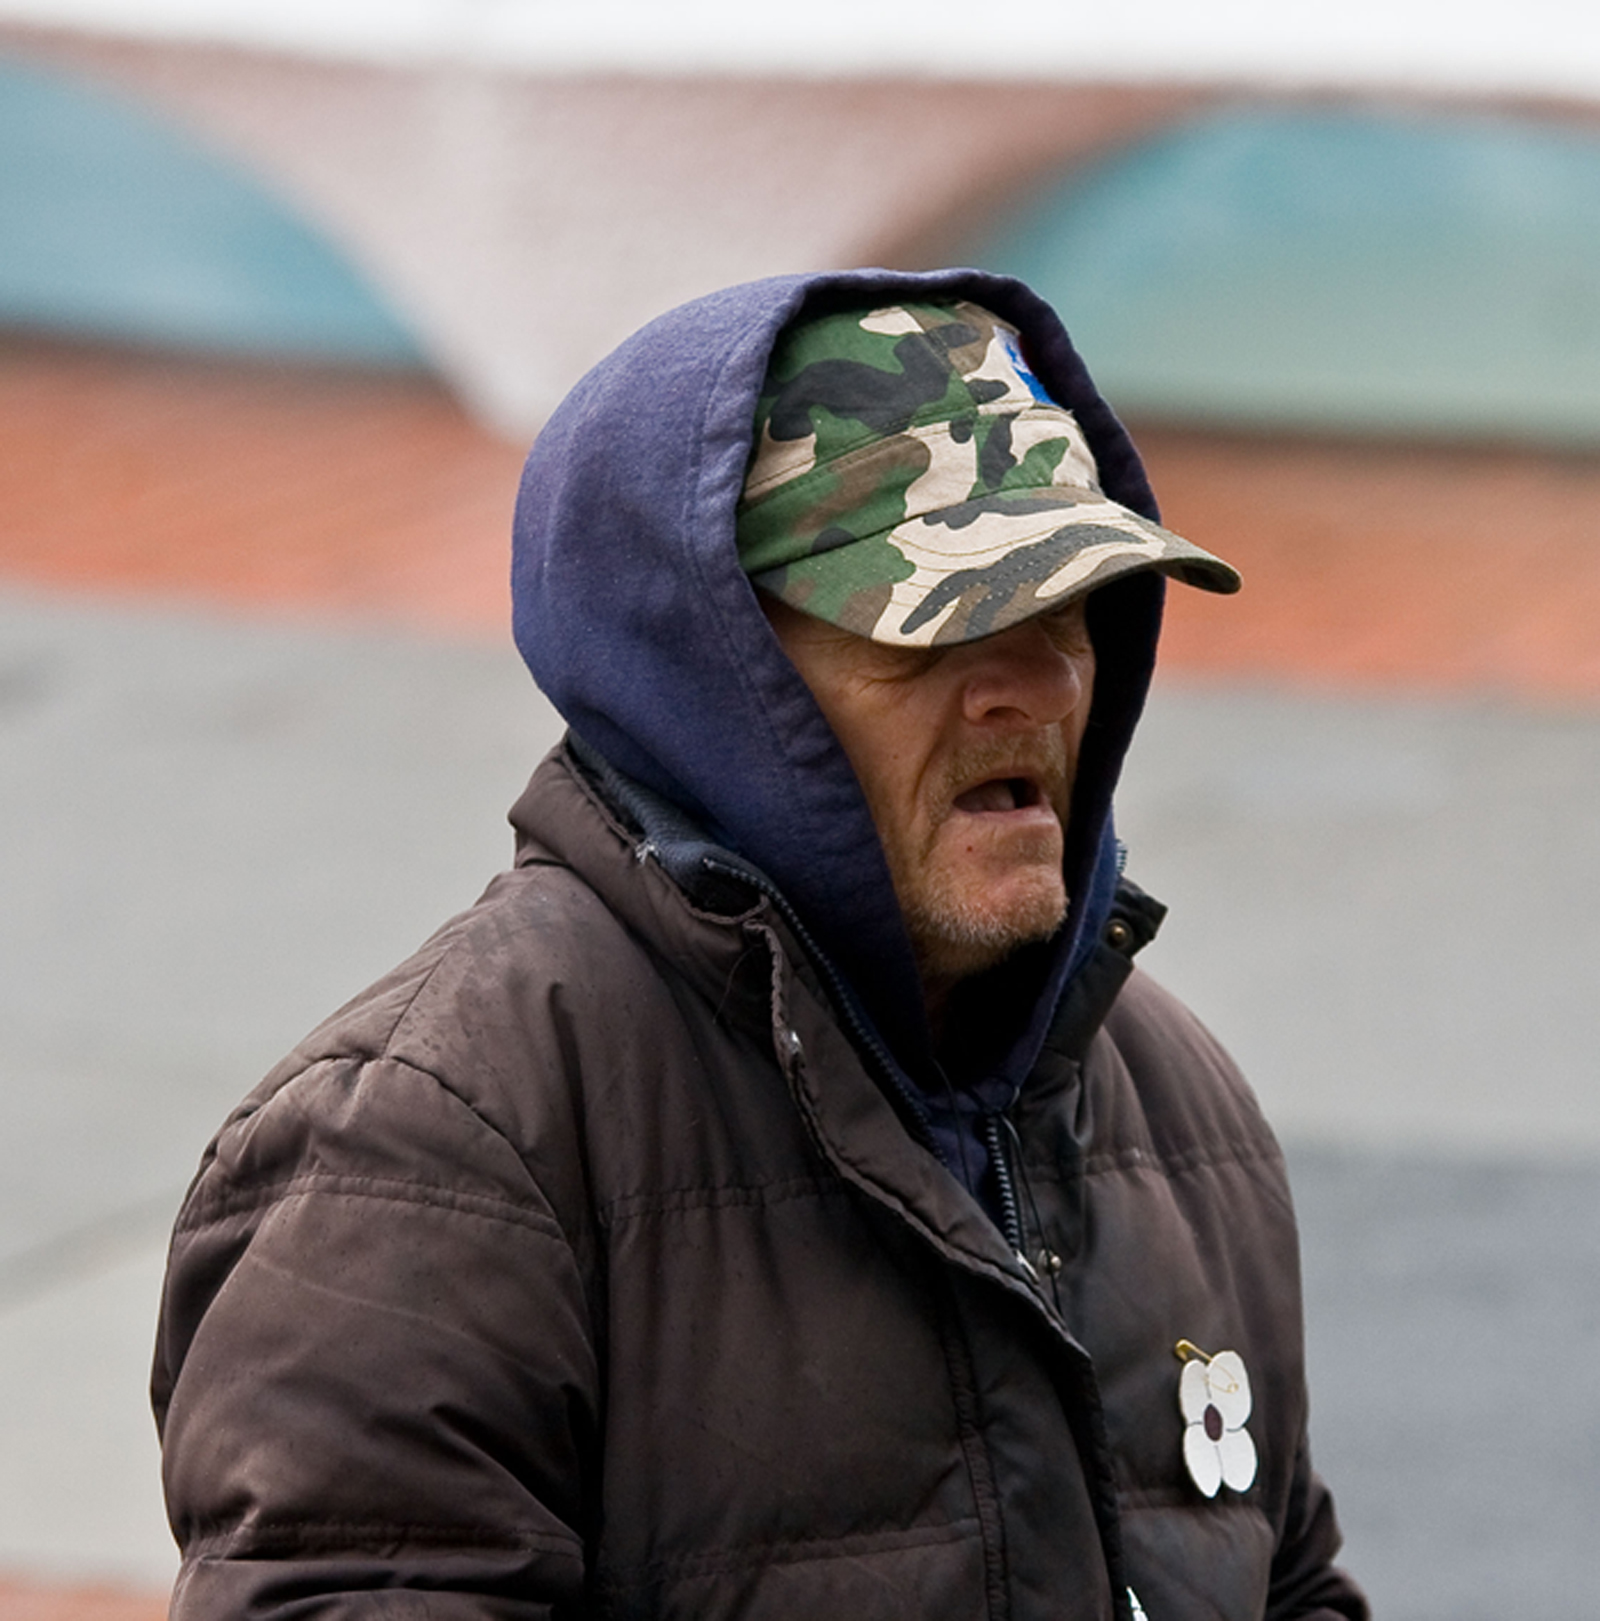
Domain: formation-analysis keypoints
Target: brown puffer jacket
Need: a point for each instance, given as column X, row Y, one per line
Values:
column 578, row 1268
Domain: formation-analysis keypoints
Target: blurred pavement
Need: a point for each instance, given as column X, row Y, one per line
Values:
column 219, row 827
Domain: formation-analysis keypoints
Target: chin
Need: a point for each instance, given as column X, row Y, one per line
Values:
column 959, row 930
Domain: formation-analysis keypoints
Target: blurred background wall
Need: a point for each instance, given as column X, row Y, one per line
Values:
column 284, row 292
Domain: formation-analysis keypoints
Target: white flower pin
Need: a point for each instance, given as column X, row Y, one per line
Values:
column 1214, row 1397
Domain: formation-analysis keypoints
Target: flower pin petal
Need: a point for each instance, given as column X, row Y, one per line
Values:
column 1214, row 1398
column 1230, row 1388
column 1238, row 1455
column 1203, row 1459
column 1194, row 1392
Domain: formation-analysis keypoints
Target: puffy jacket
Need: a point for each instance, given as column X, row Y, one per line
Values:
column 582, row 1267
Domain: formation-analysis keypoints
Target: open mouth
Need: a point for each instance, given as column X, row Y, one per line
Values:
column 998, row 795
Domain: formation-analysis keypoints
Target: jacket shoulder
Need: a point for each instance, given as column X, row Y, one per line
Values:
column 1193, row 1099
column 474, row 1022
column 535, row 928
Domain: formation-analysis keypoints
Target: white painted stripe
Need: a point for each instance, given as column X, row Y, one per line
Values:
column 1553, row 47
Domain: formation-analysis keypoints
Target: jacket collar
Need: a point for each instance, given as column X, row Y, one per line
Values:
column 647, row 831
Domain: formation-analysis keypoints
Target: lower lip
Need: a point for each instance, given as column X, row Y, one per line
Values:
column 1040, row 815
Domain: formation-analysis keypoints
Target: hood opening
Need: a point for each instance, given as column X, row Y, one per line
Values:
column 636, row 620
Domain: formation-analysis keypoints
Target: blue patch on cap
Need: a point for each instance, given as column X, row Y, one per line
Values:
column 1014, row 355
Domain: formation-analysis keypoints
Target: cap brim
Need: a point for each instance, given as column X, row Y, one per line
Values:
column 970, row 571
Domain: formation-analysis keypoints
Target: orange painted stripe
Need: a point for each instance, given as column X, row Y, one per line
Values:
column 301, row 491
column 279, row 488
column 1430, row 568
column 39, row 1602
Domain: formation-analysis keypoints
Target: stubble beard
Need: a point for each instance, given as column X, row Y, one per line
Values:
column 955, row 936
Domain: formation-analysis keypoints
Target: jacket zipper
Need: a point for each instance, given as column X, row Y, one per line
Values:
column 868, row 1041
column 1006, row 1187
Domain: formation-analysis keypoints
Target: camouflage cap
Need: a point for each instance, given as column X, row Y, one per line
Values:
column 911, row 481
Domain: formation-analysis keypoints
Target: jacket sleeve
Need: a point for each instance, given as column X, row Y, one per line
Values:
column 1306, row 1584
column 375, row 1372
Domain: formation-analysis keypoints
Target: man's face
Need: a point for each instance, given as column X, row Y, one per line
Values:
column 966, row 755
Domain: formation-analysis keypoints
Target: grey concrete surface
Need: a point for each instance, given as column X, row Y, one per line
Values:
column 215, row 830
column 1388, row 909
column 1453, row 1309
column 80, row 1494
column 215, row 833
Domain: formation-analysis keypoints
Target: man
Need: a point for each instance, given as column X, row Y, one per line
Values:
column 778, row 1197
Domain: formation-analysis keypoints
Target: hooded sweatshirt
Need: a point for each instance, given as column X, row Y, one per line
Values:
column 576, row 1268
column 636, row 619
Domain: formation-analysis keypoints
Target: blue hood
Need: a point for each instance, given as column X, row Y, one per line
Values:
column 638, row 624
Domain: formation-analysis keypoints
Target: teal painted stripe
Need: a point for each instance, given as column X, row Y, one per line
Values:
column 1344, row 268
column 113, row 224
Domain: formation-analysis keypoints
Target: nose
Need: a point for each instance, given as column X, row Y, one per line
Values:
column 1024, row 677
